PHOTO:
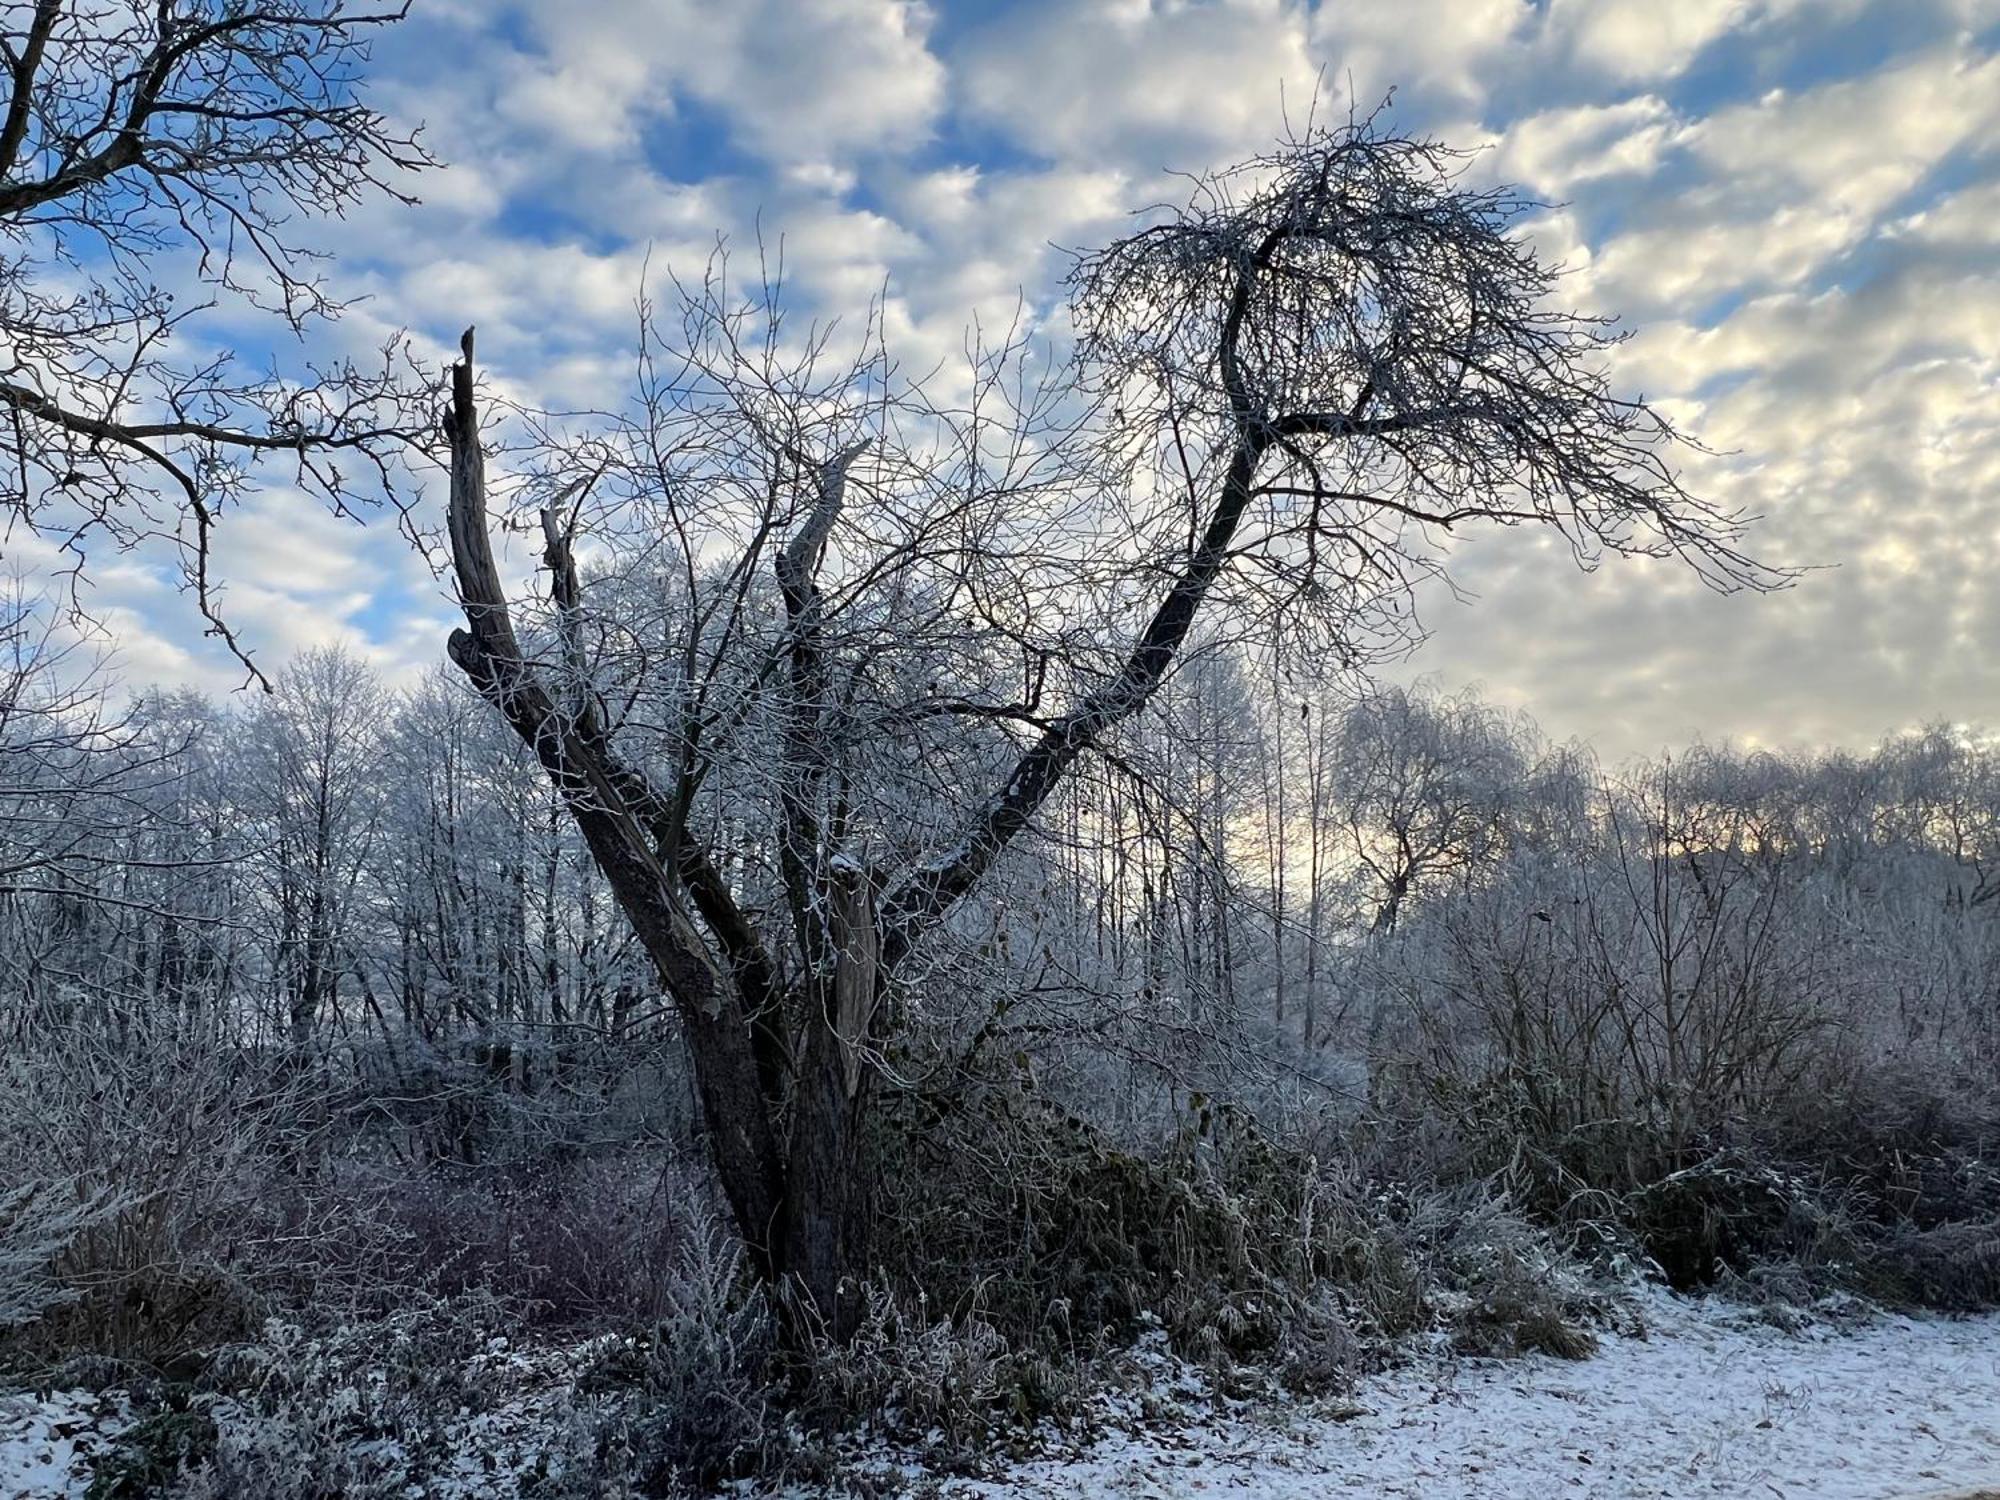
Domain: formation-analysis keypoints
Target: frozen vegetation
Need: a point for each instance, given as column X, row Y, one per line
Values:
column 1686, row 1398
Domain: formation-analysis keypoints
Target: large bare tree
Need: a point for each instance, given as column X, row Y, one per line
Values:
column 847, row 640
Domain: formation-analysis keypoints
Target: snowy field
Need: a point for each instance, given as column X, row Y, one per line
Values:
column 1712, row 1401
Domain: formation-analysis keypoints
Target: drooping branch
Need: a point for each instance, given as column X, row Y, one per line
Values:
column 135, row 128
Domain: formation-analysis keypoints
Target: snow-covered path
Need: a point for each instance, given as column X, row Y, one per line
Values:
column 47, row 1443
column 1711, row 1403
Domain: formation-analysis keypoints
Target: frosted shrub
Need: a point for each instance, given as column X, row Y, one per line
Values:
column 942, row 1383
column 691, row 1398
column 39, row 1221
column 365, row 1412
column 173, row 1251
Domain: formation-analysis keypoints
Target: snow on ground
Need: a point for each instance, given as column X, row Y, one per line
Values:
column 47, row 1443
column 1713, row 1401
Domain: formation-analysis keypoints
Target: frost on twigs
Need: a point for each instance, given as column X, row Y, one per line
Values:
column 39, row 1220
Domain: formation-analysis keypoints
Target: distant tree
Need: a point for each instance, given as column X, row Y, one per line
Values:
column 1422, row 788
column 1944, row 792
column 887, row 627
column 74, row 781
column 63, row 752
column 312, row 791
column 142, row 131
column 112, row 860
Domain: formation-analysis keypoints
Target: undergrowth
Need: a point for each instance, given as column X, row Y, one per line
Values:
column 598, row 1332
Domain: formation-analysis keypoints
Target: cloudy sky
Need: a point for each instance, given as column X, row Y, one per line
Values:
column 1796, row 204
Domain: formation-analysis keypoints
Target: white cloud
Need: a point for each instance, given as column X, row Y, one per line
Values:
column 1630, row 40
column 1553, row 151
column 1968, row 220
column 1445, row 48
column 1864, row 424
column 796, row 80
column 1792, row 181
column 1860, row 143
column 1850, row 372
column 1164, row 83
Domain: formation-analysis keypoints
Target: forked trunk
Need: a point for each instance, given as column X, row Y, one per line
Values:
column 801, row 1202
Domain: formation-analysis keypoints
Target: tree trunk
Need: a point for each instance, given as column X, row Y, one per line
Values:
column 608, row 804
column 829, row 1181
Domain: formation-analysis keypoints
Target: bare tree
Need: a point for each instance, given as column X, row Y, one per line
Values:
column 1423, row 785
column 65, row 755
column 1289, row 391
column 86, row 794
column 142, row 130
column 311, row 790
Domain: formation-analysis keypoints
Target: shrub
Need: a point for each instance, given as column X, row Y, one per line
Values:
column 151, row 1267
column 40, row 1221
column 692, row 1399
column 357, row 1411
column 1256, row 1258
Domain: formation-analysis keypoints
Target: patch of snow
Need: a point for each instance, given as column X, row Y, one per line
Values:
column 48, row 1443
column 1714, row 1401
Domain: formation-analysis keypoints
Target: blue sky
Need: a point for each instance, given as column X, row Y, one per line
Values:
column 1795, row 202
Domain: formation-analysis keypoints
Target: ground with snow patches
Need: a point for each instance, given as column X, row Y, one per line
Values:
column 48, row 1443
column 1712, row 1400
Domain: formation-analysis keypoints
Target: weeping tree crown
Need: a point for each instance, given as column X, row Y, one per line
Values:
column 1375, row 337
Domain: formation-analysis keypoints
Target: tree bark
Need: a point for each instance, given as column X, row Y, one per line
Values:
column 830, row 1168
